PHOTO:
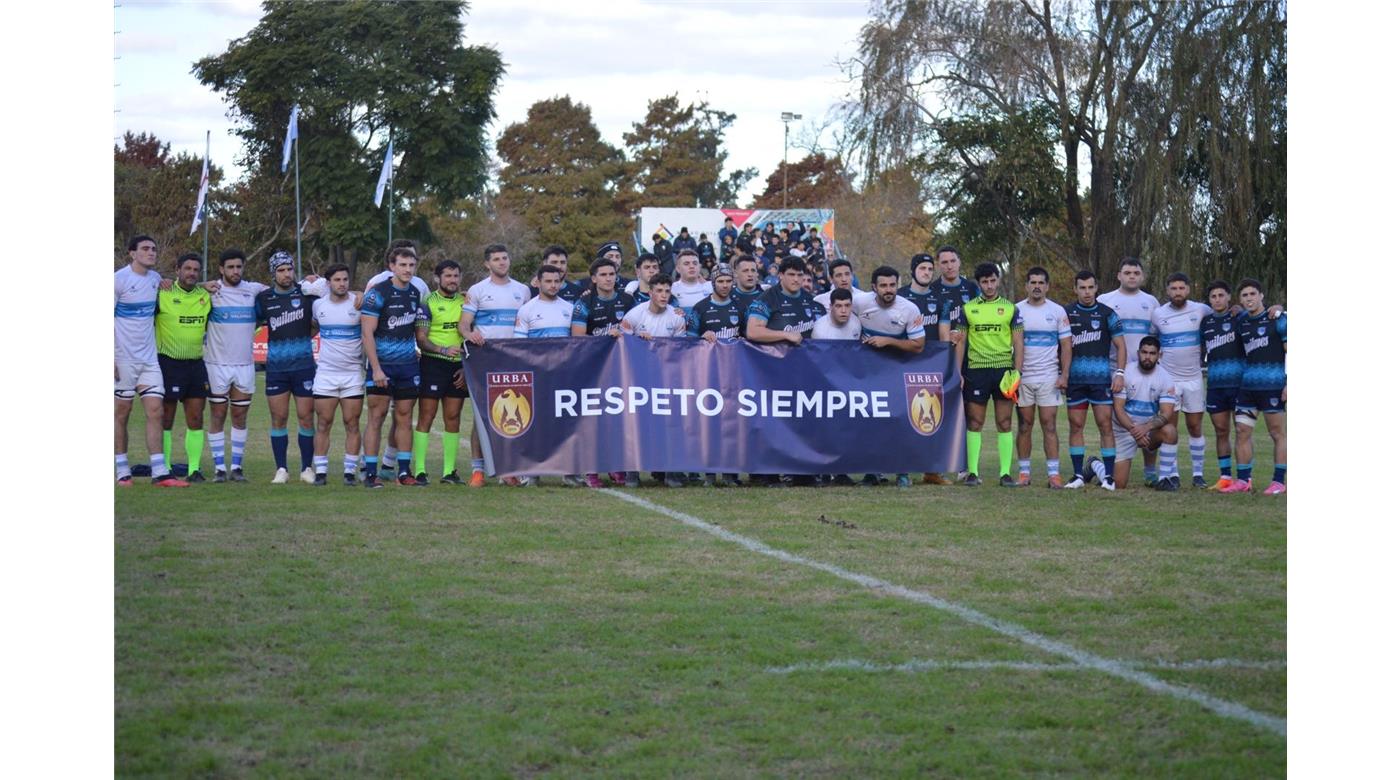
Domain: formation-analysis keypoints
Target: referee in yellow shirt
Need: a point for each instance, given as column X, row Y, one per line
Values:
column 182, row 312
column 993, row 346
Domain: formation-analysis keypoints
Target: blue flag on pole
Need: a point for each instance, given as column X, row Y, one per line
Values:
column 291, row 136
column 385, row 173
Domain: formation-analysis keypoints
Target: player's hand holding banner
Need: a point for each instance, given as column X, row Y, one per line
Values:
column 565, row 406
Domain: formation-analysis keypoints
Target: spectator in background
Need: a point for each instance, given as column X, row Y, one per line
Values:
column 729, row 232
column 706, row 250
column 683, row 241
column 665, row 254
column 772, row 277
column 727, row 250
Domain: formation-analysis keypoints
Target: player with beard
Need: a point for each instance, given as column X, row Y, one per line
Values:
column 1144, row 414
column 440, row 370
column 340, row 373
column 889, row 321
column 1047, row 366
column 291, row 365
column 1134, row 309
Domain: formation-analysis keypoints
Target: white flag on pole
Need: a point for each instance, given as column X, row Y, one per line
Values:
column 291, row 136
column 385, row 173
column 203, row 189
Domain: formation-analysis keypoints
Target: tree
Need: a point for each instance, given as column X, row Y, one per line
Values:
column 562, row 178
column 154, row 193
column 360, row 71
column 884, row 222
column 1135, row 90
column 676, row 158
column 815, row 181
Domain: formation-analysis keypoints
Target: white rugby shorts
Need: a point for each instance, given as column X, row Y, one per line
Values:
column 339, row 384
column 1190, row 395
column 223, row 377
column 133, row 375
column 1039, row 394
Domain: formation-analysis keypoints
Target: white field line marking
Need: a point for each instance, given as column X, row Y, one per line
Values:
column 856, row 664
column 1122, row 671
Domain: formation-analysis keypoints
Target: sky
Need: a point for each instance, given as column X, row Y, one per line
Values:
column 752, row 59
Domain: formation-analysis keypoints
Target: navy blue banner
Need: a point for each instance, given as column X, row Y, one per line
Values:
column 577, row 405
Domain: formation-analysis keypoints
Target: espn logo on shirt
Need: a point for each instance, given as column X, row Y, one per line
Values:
column 510, row 398
column 925, row 396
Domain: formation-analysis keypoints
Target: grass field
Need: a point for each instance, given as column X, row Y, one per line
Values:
column 291, row 630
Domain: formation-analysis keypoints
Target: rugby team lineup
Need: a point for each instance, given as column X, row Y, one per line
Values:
column 1139, row 365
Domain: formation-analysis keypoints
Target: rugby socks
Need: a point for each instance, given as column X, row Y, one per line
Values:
column 1246, row 471
column 123, row 468
column 1076, row 459
column 449, row 453
column 1166, row 461
column 166, row 446
column 391, row 453
column 352, row 464
column 216, row 444
column 1006, row 451
column 321, row 462
column 1281, row 473
column 974, row 451
column 1198, row 456
column 1110, row 456
column 279, row 446
column 1225, row 465
column 420, row 452
column 239, row 438
column 1025, row 464
column 371, row 465
column 306, row 442
column 194, row 448
column 1150, row 472
column 158, row 468
column 404, row 459
column 478, row 464
column 1052, row 468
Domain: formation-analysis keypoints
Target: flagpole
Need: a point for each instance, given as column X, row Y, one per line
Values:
column 206, row 211
column 296, row 156
column 391, row 186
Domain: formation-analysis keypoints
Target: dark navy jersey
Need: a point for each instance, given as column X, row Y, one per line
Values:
column 797, row 312
column 394, row 336
column 597, row 314
column 288, row 319
column 744, row 299
column 569, row 291
column 928, row 306
column 951, row 297
column 1091, row 331
column 1264, row 342
column 1222, row 350
column 721, row 319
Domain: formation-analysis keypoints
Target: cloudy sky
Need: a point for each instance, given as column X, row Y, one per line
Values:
column 752, row 59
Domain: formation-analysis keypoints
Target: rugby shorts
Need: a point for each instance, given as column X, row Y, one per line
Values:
column 403, row 382
column 184, row 378
column 435, row 378
column 298, row 383
column 1039, row 394
column 1082, row 395
column 1265, row 401
column 1221, row 399
column 1190, row 395
column 133, row 375
column 1125, row 444
column 224, row 377
column 981, row 385
column 338, row 384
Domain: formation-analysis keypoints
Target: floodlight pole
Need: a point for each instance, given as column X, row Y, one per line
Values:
column 788, row 116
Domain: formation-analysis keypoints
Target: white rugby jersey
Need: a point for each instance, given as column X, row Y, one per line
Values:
column 664, row 325
column 828, row 329
column 341, row 348
column 1045, row 325
column 134, row 310
column 1180, row 333
column 1143, row 392
column 902, row 320
column 383, row 276
column 686, row 295
column 495, row 306
column 539, row 319
column 825, row 298
column 228, row 341
column 1134, row 310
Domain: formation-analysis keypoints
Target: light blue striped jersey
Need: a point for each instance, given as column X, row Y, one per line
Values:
column 1045, row 325
column 494, row 306
column 1134, row 311
column 342, row 350
column 1143, row 393
column 134, row 312
column 542, row 319
column 1180, row 333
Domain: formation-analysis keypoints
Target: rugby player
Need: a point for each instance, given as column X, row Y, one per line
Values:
column 838, row 323
column 489, row 313
column 599, row 312
column 690, row 288
column 612, row 250
column 920, row 292
column 388, row 324
column 1093, row 378
column 340, row 373
column 1177, row 325
column 440, row 371
column 951, row 292
column 136, row 370
column 841, row 279
column 647, row 267
column 544, row 316
column 993, row 345
column 1263, row 389
column 746, row 288
column 717, row 317
column 182, row 313
column 1222, row 351
column 558, row 257
column 391, row 451
column 228, row 357
column 1144, row 415
column 1134, row 308
column 1046, row 378
column 889, row 321
column 291, row 366
column 654, row 319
